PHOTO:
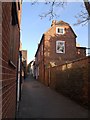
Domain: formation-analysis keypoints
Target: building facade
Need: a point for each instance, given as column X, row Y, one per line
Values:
column 9, row 45
column 57, row 46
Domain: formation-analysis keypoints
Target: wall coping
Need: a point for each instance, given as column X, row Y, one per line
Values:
column 87, row 57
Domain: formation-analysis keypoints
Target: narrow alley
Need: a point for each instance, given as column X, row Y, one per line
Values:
column 53, row 50
column 40, row 101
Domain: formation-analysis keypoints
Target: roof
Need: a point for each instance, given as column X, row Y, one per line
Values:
column 39, row 44
column 81, row 47
column 61, row 23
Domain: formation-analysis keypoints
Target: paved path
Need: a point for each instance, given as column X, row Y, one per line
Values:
column 39, row 101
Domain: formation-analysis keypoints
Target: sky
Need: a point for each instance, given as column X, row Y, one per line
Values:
column 32, row 26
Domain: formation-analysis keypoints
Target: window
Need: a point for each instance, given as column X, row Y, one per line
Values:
column 60, row 30
column 60, row 46
column 13, row 36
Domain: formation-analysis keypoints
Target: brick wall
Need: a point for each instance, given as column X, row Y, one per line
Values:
column 50, row 45
column 71, row 79
column 50, row 56
column 0, row 60
column 39, row 61
column 81, row 52
column 9, row 72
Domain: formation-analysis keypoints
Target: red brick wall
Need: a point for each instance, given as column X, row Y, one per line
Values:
column 40, row 61
column 72, row 79
column 81, row 52
column 0, row 60
column 50, row 46
column 50, row 55
column 9, row 73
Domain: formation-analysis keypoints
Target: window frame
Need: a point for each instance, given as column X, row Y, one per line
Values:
column 59, row 32
column 12, row 48
column 59, row 51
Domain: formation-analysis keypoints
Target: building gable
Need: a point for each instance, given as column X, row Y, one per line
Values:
column 60, row 24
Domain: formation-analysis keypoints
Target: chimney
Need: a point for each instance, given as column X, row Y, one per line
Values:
column 53, row 22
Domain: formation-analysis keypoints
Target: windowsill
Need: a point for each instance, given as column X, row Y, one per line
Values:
column 60, row 53
column 59, row 33
column 12, row 64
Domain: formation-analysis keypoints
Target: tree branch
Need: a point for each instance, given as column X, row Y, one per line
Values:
column 87, row 5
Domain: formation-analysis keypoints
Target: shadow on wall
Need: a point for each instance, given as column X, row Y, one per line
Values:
column 72, row 81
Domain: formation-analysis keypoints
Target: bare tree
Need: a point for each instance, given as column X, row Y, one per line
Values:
column 82, row 17
column 51, row 12
column 53, row 5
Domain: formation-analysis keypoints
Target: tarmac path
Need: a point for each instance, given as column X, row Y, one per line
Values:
column 40, row 101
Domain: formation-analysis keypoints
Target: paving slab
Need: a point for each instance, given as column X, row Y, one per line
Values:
column 40, row 101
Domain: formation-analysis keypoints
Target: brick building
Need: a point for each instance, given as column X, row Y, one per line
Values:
column 57, row 46
column 24, row 63
column 10, row 14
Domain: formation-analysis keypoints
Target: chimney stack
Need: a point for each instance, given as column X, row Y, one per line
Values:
column 53, row 22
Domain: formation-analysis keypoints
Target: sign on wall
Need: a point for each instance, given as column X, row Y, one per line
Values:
column 60, row 46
